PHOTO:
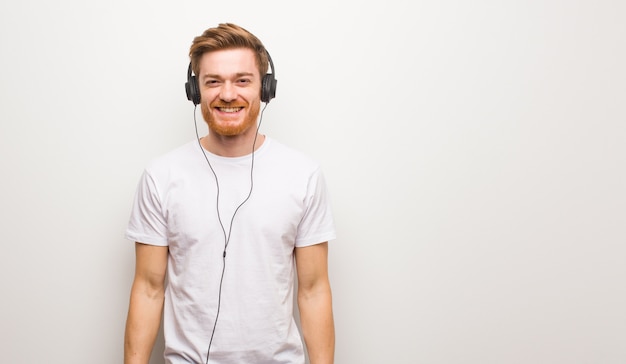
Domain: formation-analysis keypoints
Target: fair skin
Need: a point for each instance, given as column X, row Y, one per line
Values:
column 230, row 85
column 146, row 303
column 315, row 303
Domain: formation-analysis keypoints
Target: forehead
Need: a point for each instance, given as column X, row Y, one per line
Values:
column 227, row 62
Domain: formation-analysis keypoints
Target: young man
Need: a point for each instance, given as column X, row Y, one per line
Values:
column 233, row 218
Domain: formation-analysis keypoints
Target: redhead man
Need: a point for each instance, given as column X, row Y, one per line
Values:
column 225, row 224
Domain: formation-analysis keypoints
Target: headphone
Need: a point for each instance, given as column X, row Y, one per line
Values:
column 268, row 85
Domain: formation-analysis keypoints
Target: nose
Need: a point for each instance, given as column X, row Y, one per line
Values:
column 228, row 92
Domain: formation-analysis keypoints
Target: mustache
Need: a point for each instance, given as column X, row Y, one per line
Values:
column 227, row 104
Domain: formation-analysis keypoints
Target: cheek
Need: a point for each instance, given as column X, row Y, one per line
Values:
column 205, row 97
column 208, row 94
column 206, row 113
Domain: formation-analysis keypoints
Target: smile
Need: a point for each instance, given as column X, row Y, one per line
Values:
column 229, row 109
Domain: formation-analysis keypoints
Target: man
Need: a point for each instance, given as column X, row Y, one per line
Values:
column 233, row 218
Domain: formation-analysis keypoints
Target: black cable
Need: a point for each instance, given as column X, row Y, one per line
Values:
column 219, row 218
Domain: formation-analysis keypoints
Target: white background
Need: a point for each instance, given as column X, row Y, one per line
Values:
column 474, row 151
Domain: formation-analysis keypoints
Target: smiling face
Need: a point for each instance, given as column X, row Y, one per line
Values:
column 230, row 86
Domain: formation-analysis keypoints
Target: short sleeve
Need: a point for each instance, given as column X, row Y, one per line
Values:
column 317, row 224
column 147, row 223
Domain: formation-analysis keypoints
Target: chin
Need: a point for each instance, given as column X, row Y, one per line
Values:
column 230, row 128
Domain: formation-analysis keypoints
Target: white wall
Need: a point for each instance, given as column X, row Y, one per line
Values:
column 475, row 152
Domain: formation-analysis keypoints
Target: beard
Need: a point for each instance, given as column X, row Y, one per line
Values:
column 231, row 127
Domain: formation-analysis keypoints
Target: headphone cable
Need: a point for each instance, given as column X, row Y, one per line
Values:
column 219, row 218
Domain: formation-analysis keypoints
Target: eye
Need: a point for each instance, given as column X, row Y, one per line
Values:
column 211, row 82
column 243, row 81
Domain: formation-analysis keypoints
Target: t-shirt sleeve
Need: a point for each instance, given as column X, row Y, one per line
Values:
column 317, row 224
column 147, row 223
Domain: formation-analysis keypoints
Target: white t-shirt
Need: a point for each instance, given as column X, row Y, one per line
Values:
column 176, row 206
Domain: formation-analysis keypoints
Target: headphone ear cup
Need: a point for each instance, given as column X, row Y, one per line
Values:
column 268, row 87
column 192, row 89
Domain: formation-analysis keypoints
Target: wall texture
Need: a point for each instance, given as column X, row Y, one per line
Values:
column 474, row 150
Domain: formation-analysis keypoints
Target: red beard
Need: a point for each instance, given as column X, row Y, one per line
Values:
column 230, row 127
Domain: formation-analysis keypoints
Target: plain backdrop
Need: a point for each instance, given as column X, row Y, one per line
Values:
column 475, row 152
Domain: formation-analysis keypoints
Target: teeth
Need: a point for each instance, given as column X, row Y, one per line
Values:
column 230, row 109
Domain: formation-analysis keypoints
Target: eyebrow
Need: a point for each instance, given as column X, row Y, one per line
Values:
column 237, row 75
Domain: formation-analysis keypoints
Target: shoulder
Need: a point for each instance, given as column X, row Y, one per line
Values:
column 174, row 157
column 173, row 164
column 288, row 157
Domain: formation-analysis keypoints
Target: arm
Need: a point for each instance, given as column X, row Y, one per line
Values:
column 146, row 303
column 315, row 303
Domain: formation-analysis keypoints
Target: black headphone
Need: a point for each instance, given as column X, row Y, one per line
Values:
column 268, row 85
